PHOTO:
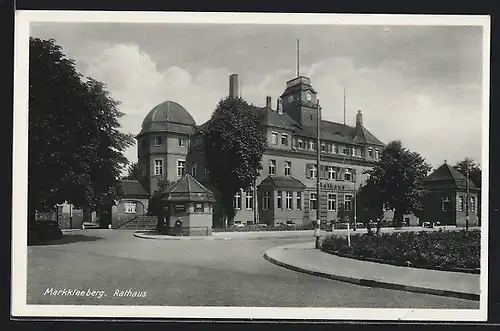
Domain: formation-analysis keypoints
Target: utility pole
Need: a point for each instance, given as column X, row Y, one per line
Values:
column 354, row 225
column 467, row 196
column 317, row 229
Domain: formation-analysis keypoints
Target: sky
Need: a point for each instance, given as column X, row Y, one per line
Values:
column 418, row 84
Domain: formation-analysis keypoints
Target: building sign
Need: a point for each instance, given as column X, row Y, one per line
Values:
column 180, row 207
column 331, row 186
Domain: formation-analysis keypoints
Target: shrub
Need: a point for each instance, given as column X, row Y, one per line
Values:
column 446, row 249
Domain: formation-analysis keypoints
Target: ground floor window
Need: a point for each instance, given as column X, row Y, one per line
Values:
column 332, row 202
column 460, row 204
column 280, row 200
column 289, row 196
column 314, row 201
column 237, row 200
column 299, row 200
column 266, row 200
column 130, row 207
column 249, row 199
column 445, row 204
column 348, row 202
column 473, row 204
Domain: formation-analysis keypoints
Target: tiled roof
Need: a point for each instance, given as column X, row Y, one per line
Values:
column 187, row 189
column 285, row 182
column 168, row 116
column 132, row 188
column 446, row 174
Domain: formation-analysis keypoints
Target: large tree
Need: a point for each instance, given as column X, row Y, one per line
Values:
column 397, row 180
column 75, row 146
column 474, row 170
column 234, row 142
column 369, row 203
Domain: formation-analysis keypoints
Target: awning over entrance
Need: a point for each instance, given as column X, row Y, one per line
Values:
column 282, row 182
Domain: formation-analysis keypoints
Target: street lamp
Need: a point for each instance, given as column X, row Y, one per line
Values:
column 467, row 196
column 317, row 227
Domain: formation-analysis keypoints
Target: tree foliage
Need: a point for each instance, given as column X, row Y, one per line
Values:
column 234, row 142
column 75, row 146
column 133, row 172
column 474, row 170
column 369, row 203
column 397, row 180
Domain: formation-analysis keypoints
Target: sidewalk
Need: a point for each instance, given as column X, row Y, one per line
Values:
column 256, row 235
column 304, row 258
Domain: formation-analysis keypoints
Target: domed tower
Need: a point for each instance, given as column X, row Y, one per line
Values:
column 162, row 144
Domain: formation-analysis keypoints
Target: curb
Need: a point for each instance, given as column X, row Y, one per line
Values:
column 167, row 237
column 375, row 283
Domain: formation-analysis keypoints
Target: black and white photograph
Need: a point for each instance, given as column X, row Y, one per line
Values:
column 250, row 166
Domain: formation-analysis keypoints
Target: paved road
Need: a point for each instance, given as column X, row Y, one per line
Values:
column 194, row 273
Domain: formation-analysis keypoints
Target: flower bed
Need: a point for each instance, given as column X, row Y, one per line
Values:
column 441, row 250
column 252, row 228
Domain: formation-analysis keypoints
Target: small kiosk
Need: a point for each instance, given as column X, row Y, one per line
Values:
column 189, row 207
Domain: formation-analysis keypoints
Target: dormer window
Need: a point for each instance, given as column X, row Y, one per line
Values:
column 311, row 145
column 377, row 153
column 300, row 143
column 323, row 147
column 370, row 153
column 284, row 139
column 274, row 138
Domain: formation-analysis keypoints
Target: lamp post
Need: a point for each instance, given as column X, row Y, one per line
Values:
column 317, row 227
column 467, row 196
column 355, row 210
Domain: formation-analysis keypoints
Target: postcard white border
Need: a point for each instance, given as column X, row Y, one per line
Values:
column 19, row 189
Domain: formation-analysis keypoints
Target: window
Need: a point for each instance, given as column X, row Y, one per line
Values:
column 284, row 139
column 198, row 207
column 130, row 207
column 311, row 145
column 249, row 199
column 460, row 204
column 300, row 144
column 181, row 142
column 347, row 175
column 323, row 147
column 377, row 153
column 345, row 151
column 348, row 202
column 331, row 173
column 158, row 167
column 274, row 138
column 313, row 202
column 334, row 149
column 288, row 167
column 289, row 197
column 370, row 152
column 472, row 204
column 237, row 200
column 313, row 171
column 266, row 201
column 158, row 141
column 194, row 169
column 332, row 202
column 272, row 167
column 280, row 200
column 181, row 168
column 299, row 201
column 445, row 204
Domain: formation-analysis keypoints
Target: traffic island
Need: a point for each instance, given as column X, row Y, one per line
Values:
column 304, row 258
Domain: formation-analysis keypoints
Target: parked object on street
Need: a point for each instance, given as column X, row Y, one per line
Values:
column 238, row 224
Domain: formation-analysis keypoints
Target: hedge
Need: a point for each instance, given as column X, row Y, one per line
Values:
column 444, row 250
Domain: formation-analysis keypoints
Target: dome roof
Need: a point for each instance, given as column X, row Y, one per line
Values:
column 166, row 115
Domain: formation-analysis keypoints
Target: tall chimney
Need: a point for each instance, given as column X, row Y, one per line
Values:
column 359, row 119
column 279, row 106
column 233, row 86
column 268, row 101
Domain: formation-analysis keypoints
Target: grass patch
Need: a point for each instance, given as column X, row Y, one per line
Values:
column 446, row 250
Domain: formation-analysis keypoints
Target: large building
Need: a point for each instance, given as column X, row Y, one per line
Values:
column 169, row 145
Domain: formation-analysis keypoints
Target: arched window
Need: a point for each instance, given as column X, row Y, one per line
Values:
column 130, row 207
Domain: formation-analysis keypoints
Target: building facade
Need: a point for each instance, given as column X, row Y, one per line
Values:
column 285, row 191
column 447, row 198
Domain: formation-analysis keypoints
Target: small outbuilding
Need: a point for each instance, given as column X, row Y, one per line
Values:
column 189, row 208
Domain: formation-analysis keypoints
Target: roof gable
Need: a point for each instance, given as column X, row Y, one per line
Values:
column 447, row 174
column 132, row 188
